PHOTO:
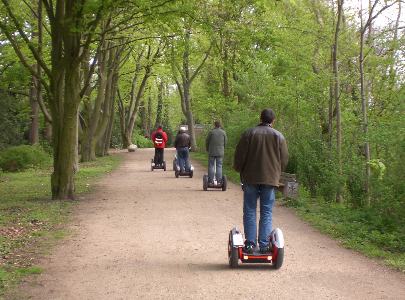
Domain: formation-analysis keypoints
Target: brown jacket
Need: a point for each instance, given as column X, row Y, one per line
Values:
column 261, row 155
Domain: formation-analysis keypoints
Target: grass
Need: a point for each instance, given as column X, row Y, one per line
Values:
column 30, row 222
column 356, row 229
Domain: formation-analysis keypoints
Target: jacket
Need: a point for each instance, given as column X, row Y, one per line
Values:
column 182, row 140
column 159, row 142
column 215, row 142
column 261, row 155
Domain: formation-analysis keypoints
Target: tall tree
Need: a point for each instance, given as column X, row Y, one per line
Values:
column 366, row 26
column 143, row 70
column 184, row 76
column 72, row 26
column 336, row 96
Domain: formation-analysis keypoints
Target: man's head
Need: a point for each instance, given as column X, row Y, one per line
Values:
column 159, row 127
column 217, row 124
column 267, row 116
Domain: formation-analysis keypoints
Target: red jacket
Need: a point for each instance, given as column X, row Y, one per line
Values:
column 159, row 142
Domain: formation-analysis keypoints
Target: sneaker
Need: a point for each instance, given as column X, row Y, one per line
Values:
column 266, row 249
column 249, row 247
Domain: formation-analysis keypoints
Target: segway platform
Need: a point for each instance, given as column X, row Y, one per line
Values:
column 178, row 173
column 236, row 253
column 215, row 185
column 154, row 166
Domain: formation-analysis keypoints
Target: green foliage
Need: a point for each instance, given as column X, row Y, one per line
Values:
column 141, row 141
column 13, row 120
column 22, row 157
column 365, row 230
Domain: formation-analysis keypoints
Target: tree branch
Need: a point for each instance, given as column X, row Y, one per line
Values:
column 25, row 38
column 201, row 64
column 21, row 56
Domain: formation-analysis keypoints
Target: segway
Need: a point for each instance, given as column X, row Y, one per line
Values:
column 154, row 166
column 236, row 251
column 178, row 173
column 175, row 162
column 214, row 185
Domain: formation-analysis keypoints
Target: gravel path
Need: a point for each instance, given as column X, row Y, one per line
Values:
column 148, row 235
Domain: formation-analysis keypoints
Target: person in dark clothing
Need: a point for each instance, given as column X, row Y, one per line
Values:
column 159, row 138
column 182, row 144
column 215, row 145
column 260, row 156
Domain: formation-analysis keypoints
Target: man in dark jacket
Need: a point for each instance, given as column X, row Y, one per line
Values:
column 182, row 143
column 260, row 156
column 215, row 145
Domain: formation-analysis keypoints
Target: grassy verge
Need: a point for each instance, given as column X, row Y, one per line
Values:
column 29, row 220
column 355, row 228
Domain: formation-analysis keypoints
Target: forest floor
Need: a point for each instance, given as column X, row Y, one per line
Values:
column 148, row 235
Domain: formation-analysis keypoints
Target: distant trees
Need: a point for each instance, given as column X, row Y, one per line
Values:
column 113, row 71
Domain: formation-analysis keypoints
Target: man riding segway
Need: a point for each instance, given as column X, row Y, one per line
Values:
column 215, row 146
column 260, row 156
column 159, row 138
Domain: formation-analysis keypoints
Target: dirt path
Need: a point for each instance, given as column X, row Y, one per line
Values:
column 147, row 235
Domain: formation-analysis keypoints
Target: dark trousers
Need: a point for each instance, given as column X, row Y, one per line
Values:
column 159, row 152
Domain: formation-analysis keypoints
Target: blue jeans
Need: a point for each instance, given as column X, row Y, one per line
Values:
column 267, row 197
column 182, row 156
column 214, row 168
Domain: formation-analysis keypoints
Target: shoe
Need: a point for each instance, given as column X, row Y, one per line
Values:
column 249, row 247
column 266, row 249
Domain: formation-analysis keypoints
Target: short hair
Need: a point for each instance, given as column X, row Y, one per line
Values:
column 159, row 127
column 217, row 124
column 267, row 115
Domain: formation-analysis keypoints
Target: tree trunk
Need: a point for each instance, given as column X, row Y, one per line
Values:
column 65, row 135
column 189, row 116
column 149, row 113
column 108, row 133
column 89, row 141
column 48, row 131
column 159, row 110
column 131, row 124
column 336, row 92
column 34, row 126
column 364, row 110
column 226, row 90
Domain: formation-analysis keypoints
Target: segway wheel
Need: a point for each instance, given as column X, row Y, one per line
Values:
column 205, row 182
column 233, row 255
column 279, row 258
column 224, row 183
column 164, row 165
column 176, row 173
column 151, row 168
column 191, row 174
column 174, row 165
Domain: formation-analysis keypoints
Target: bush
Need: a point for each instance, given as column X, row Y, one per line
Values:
column 23, row 157
column 142, row 142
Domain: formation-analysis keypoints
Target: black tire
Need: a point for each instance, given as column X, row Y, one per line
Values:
column 191, row 174
column 176, row 174
column 224, row 183
column 174, row 165
column 205, row 182
column 280, row 258
column 151, row 168
column 164, row 166
column 233, row 255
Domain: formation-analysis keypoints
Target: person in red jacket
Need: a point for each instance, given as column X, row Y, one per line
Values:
column 159, row 139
